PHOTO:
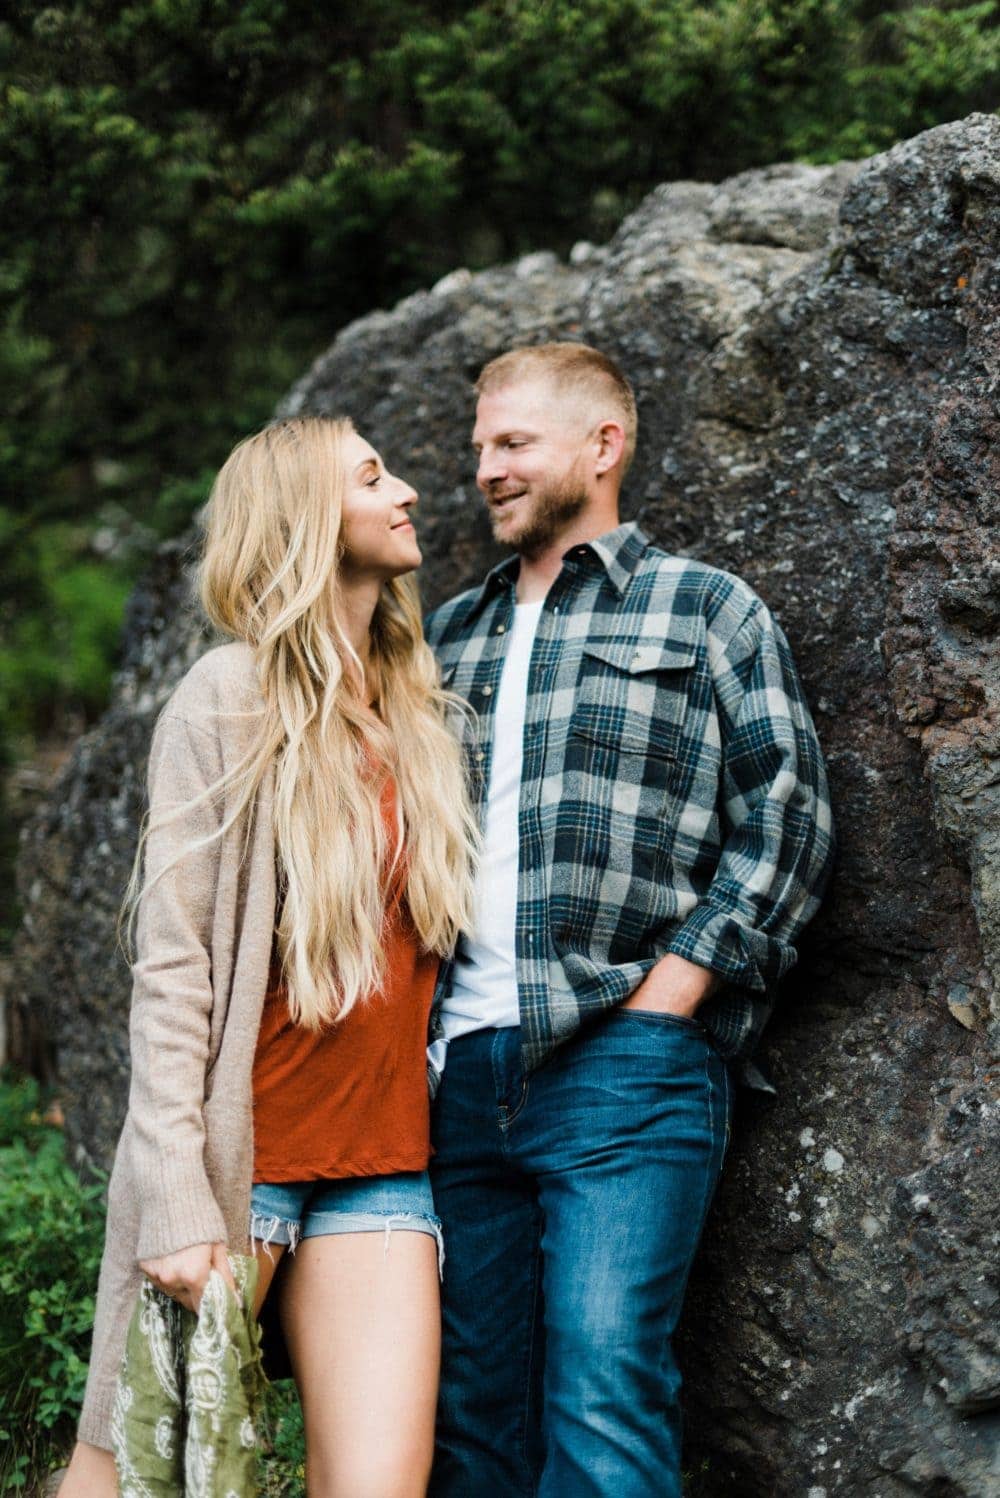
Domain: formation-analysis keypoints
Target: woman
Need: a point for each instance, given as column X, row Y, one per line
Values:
column 306, row 858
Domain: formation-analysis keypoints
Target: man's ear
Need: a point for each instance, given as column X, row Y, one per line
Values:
column 610, row 440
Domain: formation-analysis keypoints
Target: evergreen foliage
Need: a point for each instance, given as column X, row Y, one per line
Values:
column 51, row 1235
column 51, row 1238
column 196, row 194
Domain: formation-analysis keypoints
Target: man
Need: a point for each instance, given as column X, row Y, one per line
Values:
column 656, row 833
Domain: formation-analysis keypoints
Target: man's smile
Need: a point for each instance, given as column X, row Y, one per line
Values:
column 499, row 501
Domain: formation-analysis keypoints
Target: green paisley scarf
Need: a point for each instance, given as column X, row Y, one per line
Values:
column 189, row 1388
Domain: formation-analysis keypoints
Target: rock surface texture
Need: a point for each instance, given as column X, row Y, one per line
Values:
column 816, row 356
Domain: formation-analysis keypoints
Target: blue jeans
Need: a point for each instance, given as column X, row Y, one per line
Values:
column 572, row 1201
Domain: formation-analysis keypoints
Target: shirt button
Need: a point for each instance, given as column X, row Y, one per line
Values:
column 480, row 755
column 487, row 691
column 556, row 609
column 501, row 628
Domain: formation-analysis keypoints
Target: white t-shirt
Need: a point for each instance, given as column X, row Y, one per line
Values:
column 484, row 977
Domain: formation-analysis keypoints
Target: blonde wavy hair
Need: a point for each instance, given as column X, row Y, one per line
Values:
column 269, row 576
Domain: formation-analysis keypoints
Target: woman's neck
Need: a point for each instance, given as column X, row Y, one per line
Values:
column 356, row 605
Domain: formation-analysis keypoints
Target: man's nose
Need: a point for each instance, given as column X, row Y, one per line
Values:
column 490, row 470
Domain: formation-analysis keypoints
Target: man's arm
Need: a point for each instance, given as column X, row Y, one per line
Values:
column 777, row 846
column 673, row 986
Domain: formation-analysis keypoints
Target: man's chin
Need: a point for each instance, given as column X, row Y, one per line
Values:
column 505, row 533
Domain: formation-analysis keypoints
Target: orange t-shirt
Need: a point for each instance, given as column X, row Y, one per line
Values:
column 350, row 1099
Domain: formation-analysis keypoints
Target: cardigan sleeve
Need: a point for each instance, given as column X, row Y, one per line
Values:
column 172, row 992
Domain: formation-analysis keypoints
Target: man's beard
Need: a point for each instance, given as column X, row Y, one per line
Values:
column 552, row 510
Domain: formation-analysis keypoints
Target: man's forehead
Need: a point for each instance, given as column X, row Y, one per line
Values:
column 534, row 397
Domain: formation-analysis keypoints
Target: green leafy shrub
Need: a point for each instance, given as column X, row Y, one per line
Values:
column 51, row 1235
column 281, row 1470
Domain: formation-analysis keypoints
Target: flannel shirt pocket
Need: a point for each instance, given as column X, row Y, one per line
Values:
column 633, row 698
column 624, row 766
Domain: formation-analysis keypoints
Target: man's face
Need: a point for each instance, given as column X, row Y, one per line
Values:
column 532, row 464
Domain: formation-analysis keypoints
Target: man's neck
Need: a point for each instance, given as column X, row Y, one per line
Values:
column 537, row 573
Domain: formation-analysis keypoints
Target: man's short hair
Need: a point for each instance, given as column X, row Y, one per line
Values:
column 569, row 366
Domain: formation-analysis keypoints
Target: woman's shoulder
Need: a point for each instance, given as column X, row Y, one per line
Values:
column 221, row 684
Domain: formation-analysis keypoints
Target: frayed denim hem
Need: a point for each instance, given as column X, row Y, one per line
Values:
column 288, row 1234
column 268, row 1230
column 414, row 1222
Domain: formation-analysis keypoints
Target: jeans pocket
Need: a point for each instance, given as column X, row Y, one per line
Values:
column 661, row 1017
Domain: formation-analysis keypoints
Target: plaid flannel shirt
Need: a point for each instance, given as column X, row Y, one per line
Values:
column 673, row 794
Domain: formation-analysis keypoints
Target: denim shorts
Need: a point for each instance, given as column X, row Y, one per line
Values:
column 287, row 1211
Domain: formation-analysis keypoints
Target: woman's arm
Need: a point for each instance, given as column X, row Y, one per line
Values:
column 172, row 992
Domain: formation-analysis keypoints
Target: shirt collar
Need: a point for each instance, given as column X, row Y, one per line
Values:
column 618, row 552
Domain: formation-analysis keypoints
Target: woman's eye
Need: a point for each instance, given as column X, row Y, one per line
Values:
column 374, row 483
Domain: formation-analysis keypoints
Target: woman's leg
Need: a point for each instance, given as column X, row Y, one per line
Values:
column 90, row 1474
column 361, row 1317
column 268, row 1256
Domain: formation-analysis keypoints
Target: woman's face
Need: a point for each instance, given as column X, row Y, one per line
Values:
column 376, row 530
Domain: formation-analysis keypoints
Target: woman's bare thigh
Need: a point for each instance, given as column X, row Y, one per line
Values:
column 361, row 1316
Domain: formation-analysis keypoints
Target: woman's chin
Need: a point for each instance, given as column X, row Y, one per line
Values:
column 403, row 566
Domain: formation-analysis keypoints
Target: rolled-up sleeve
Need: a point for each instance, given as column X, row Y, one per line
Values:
column 172, row 992
column 775, row 817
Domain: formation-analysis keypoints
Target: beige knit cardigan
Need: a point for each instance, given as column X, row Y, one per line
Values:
column 182, row 1172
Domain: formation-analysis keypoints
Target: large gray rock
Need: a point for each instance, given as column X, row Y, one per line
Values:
column 815, row 352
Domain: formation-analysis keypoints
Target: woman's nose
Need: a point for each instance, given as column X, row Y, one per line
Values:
column 405, row 493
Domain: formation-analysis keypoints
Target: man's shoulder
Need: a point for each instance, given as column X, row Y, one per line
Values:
column 693, row 589
column 450, row 618
column 692, row 577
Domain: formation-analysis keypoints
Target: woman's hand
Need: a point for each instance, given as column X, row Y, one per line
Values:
column 184, row 1274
